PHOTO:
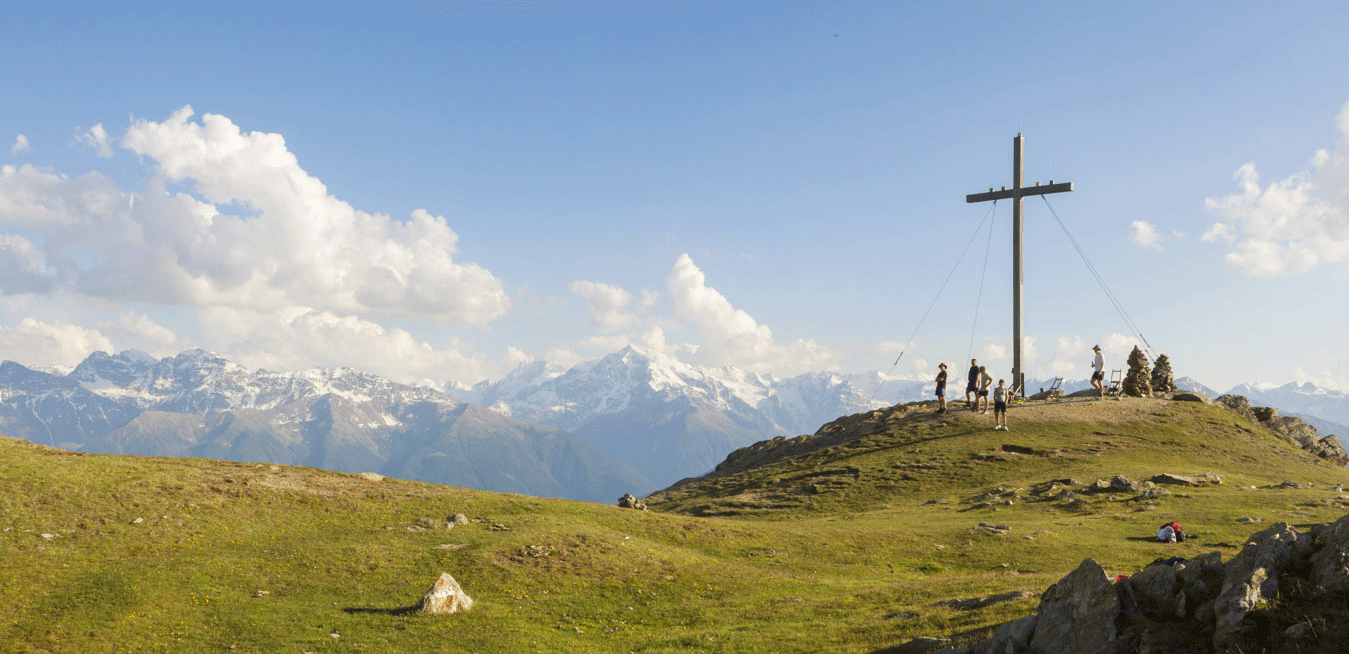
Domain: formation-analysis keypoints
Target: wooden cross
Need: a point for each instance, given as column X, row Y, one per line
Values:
column 1016, row 193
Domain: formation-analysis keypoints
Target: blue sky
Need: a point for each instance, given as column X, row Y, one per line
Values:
column 440, row 191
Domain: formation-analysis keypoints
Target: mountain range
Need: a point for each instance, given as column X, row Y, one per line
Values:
column 630, row 422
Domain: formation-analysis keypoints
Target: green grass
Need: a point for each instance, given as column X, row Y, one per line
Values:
column 838, row 550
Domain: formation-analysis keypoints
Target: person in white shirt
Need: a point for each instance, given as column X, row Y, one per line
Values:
column 1000, row 407
column 1098, row 372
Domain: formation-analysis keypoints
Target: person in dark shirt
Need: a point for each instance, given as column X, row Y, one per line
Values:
column 972, row 386
column 941, row 388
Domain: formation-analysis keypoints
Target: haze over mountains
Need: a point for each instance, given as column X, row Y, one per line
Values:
column 631, row 422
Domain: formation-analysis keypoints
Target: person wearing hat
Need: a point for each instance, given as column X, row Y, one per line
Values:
column 1098, row 372
column 941, row 388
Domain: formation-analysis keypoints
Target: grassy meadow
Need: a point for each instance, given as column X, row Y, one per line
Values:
column 845, row 549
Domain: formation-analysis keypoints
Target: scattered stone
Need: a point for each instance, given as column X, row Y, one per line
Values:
column 261, row 593
column 1122, row 484
column 630, row 502
column 1249, row 520
column 1138, row 381
column 536, row 551
column 498, row 527
column 138, row 521
column 996, row 530
column 1191, row 396
column 931, row 502
column 445, row 597
column 905, row 615
column 980, row 602
column 1187, row 480
column 1163, row 380
column 425, row 523
column 1293, row 485
column 1300, row 631
column 451, row 546
column 48, row 536
column 371, row 476
column 458, row 519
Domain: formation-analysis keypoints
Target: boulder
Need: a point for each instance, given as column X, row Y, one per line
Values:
column 1252, row 578
column 1330, row 564
column 445, row 597
column 1191, row 396
column 1077, row 614
column 1185, row 480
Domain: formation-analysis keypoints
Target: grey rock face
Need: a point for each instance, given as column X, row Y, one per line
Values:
column 1330, row 565
column 1252, row 577
column 1078, row 613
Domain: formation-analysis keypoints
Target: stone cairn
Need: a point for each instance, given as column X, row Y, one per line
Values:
column 1137, row 382
column 1163, row 380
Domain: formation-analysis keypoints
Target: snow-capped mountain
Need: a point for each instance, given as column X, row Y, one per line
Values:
column 199, row 404
column 1295, row 397
column 669, row 419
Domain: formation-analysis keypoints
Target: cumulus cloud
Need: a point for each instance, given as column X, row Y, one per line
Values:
column 297, row 339
column 20, row 145
column 36, row 343
column 608, row 305
column 730, row 336
column 96, row 138
column 138, row 331
column 1288, row 226
column 1145, row 234
column 256, row 233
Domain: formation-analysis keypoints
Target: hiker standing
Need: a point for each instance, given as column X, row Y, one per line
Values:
column 1098, row 372
column 985, row 380
column 941, row 388
column 972, row 386
column 1000, row 407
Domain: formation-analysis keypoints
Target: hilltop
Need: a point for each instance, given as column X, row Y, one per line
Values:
column 855, row 539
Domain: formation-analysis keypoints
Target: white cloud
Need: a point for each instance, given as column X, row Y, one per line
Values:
column 730, row 336
column 138, row 331
column 1293, row 225
column 20, row 145
column 37, row 343
column 96, row 138
column 608, row 305
column 297, row 339
column 294, row 245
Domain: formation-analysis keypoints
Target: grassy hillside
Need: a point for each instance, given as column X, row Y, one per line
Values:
column 840, row 549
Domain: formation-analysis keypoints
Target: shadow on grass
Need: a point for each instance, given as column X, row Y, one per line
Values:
column 402, row 610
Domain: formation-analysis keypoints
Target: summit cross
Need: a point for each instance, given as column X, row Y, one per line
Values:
column 1016, row 193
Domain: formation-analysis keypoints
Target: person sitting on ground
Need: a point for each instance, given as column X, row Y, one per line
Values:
column 1000, row 407
column 941, row 389
column 1171, row 533
column 985, row 380
column 972, row 386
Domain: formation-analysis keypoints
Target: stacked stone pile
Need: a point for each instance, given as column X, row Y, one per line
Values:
column 1138, row 381
column 1178, row 605
column 1163, row 380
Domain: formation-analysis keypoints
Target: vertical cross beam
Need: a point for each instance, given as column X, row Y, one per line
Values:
column 1016, row 193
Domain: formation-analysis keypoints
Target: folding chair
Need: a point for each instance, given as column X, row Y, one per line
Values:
column 1116, row 384
column 1055, row 393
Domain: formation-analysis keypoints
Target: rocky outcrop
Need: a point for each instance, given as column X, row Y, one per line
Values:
column 1293, row 430
column 1138, row 381
column 1198, row 605
column 630, row 502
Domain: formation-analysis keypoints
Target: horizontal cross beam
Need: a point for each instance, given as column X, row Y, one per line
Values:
column 1008, row 193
